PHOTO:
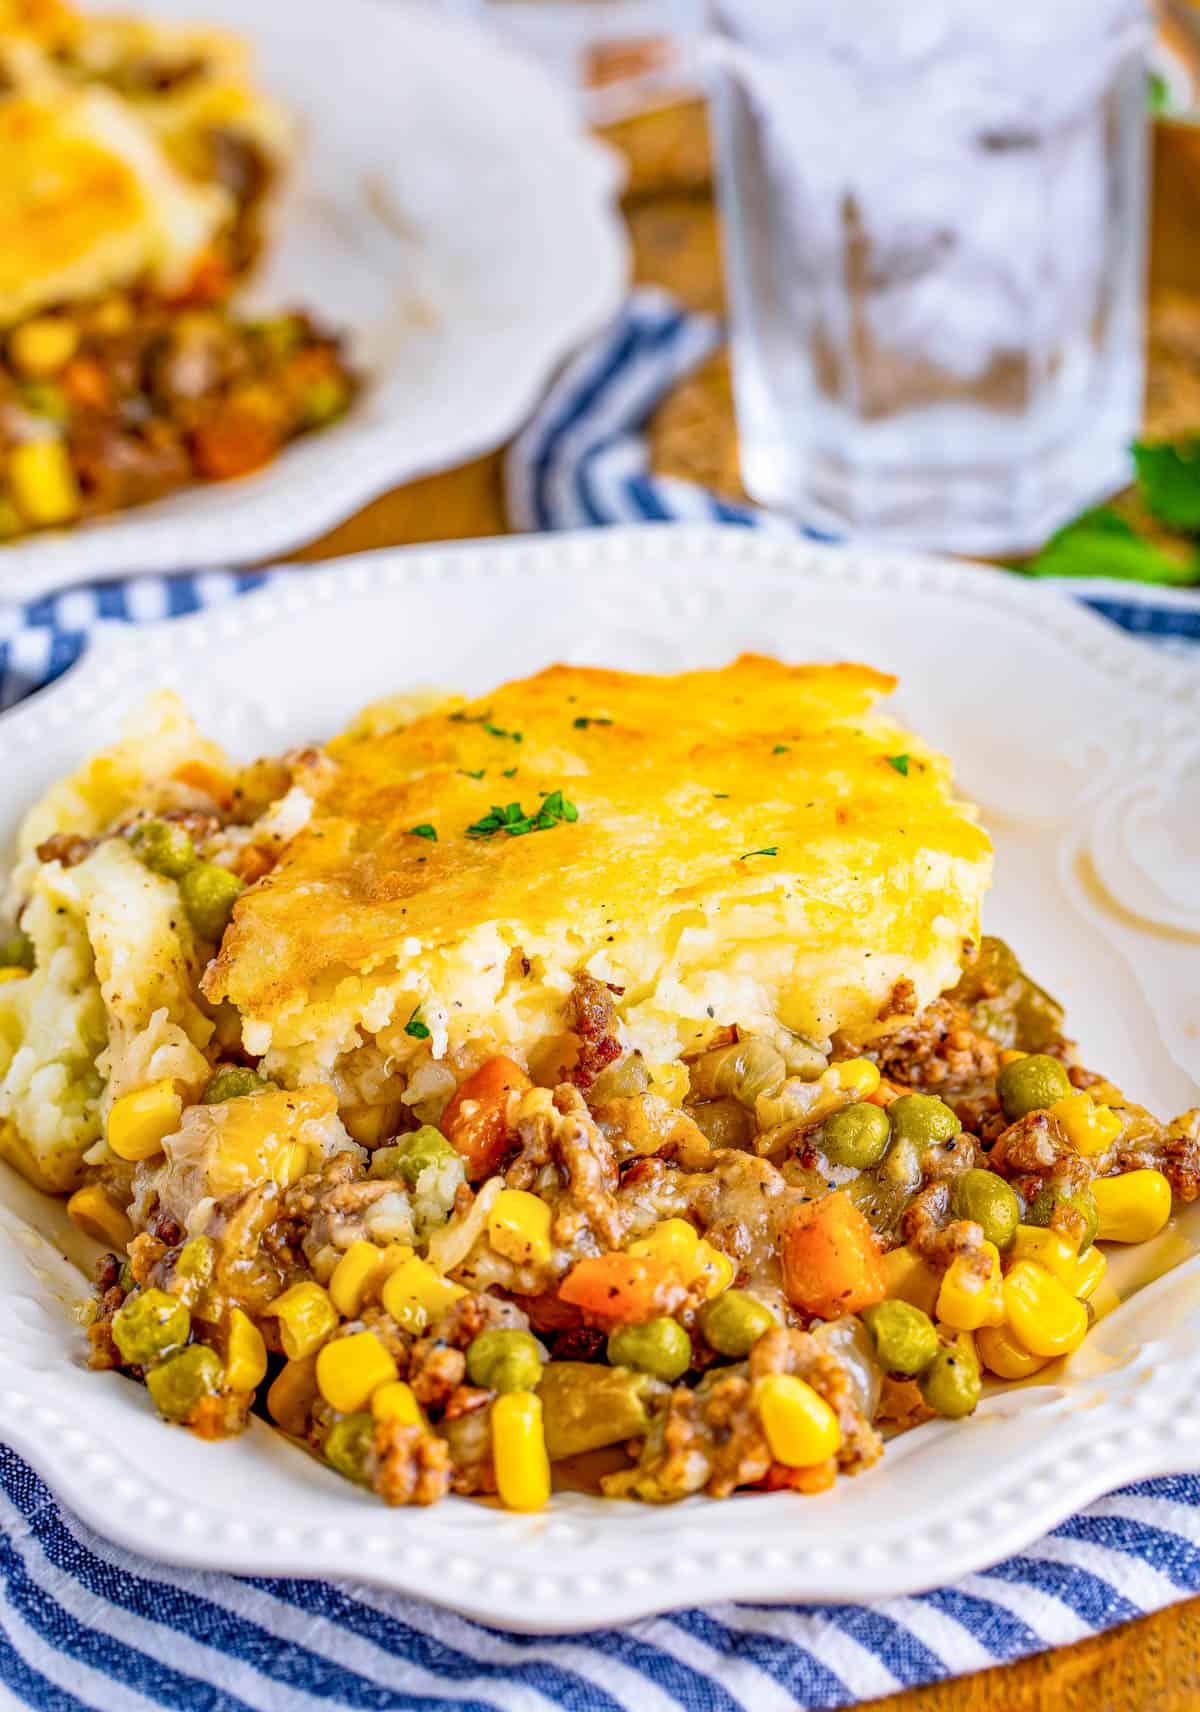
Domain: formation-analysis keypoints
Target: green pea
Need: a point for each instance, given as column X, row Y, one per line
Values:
column 164, row 848
column 904, row 1337
column 734, row 1321
column 412, row 1154
column 233, row 1082
column 16, row 951
column 923, row 1120
column 194, row 1267
column 504, row 1359
column 149, row 1326
column 1031, row 1084
column 951, row 1383
column 324, row 399
column 1070, row 1212
column 990, row 1202
column 349, row 1444
column 281, row 334
column 209, row 894
column 856, row 1135
column 178, row 1383
column 659, row 1347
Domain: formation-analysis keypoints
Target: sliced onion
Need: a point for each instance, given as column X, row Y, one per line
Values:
column 744, row 1071
column 450, row 1246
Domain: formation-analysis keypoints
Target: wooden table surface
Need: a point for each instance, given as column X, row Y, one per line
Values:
column 1152, row 1665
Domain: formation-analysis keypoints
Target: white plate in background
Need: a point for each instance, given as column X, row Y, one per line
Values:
column 446, row 210
column 1083, row 749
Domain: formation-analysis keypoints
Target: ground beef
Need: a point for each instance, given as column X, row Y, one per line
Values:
column 412, row 1465
column 941, row 1052
column 926, row 1227
column 559, row 1130
column 1177, row 1156
column 1033, row 1151
column 593, row 1019
column 65, row 847
column 435, row 1371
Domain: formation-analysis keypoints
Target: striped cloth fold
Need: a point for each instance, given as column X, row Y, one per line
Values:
column 86, row 1624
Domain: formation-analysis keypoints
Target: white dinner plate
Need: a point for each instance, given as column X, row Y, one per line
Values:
column 1083, row 749
column 447, row 212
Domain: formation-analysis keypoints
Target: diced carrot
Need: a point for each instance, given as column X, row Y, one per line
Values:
column 817, row 1478
column 623, row 1287
column 831, row 1261
column 233, row 443
column 475, row 1122
column 210, row 280
column 85, row 384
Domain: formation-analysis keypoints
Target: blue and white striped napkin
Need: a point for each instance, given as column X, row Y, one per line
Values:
column 85, row 1624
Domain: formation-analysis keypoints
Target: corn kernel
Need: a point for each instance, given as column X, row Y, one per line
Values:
column 43, row 346
column 674, row 1241
column 414, row 1280
column 245, row 1353
column 290, row 1163
column 394, row 1400
column 857, row 1077
column 519, row 1451
column 1002, row 1355
column 966, row 1301
column 96, row 1216
column 350, row 1368
column 42, row 482
column 1132, row 1207
column 1089, row 1272
column 1088, row 1127
column 519, row 1227
column 715, row 1267
column 138, row 1122
column 354, row 1276
column 1043, row 1316
column 13, row 974
column 291, row 1394
column 800, row 1426
column 911, row 1279
column 1047, row 1248
column 306, row 1318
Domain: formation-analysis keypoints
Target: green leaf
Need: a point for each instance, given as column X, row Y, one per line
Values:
column 780, row 749
column 1102, row 544
column 899, row 762
column 767, row 850
column 416, row 1027
column 1169, row 476
column 424, row 831
column 584, row 720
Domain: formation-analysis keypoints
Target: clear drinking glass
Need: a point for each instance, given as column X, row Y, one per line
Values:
column 934, row 227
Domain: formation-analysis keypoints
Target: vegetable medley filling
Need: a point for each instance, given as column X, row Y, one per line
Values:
column 476, row 1271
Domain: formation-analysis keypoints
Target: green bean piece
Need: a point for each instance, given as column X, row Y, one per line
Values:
column 504, row 1359
column 412, row 1154
column 990, row 1202
column 164, row 847
column 1031, row 1084
column 178, row 1383
column 209, row 894
column 16, row 951
column 951, row 1384
column 233, row 1082
column 923, row 1120
column 150, row 1326
column 586, row 1406
column 1070, row 1212
column 855, row 1135
column 659, row 1347
column 349, row 1444
column 734, row 1321
column 904, row 1337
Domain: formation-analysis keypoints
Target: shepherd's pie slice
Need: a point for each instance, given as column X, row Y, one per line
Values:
column 753, row 846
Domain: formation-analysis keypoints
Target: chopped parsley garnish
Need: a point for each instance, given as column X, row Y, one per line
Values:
column 767, row 850
column 424, row 831
column 513, row 820
column 584, row 720
column 721, row 796
column 899, row 762
column 509, row 773
column 781, row 749
column 468, row 774
column 462, row 718
column 414, row 1026
column 499, row 731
